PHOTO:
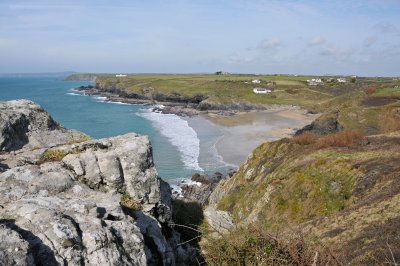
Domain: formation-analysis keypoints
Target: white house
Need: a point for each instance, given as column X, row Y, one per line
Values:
column 261, row 90
column 256, row 81
column 314, row 82
column 120, row 75
column 341, row 80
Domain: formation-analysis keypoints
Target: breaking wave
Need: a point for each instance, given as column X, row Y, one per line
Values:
column 179, row 133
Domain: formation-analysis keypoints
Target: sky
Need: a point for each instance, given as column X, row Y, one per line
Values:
column 360, row 37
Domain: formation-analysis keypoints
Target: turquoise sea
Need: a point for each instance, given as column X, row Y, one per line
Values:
column 181, row 146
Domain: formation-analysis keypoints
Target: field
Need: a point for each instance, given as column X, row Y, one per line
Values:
column 290, row 90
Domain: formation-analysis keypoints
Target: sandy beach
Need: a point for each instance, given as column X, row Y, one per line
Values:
column 243, row 132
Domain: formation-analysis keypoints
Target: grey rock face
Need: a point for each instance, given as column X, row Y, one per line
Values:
column 325, row 124
column 25, row 124
column 69, row 211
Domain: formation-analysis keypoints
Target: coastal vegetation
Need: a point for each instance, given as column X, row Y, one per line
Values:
column 52, row 155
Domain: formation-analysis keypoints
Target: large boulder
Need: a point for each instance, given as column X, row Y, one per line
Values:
column 96, row 202
column 24, row 123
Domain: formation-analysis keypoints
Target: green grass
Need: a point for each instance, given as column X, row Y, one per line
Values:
column 294, row 183
column 220, row 88
column 52, row 156
column 387, row 92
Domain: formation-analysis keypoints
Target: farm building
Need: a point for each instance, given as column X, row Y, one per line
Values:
column 261, row 90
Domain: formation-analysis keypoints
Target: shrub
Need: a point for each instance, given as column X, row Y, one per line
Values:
column 372, row 90
column 389, row 120
column 52, row 156
column 254, row 246
column 345, row 138
column 129, row 203
column 305, row 138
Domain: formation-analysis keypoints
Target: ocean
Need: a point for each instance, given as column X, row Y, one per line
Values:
column 181, row 146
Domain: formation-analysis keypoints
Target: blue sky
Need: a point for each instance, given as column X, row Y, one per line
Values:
column 296, row 37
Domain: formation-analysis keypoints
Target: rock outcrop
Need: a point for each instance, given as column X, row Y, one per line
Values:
column 24, row 124
column 323, row 125
column 96, row 202
column 200, row 187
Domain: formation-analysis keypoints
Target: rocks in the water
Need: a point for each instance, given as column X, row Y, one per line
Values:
column 63, row 205
column 25, row 124
column 200, row 187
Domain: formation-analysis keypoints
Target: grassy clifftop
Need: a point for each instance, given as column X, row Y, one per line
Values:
column 218, row 88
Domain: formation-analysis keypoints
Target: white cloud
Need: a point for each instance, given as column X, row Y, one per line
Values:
column 269, row 44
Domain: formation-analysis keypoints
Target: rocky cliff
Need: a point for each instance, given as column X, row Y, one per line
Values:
column 65, row 199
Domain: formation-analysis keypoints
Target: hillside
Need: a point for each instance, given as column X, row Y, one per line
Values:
column 340, row 191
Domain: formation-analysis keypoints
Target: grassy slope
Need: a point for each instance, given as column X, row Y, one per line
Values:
column 345, row 197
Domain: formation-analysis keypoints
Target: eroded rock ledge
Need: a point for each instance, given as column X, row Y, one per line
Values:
column 92, row 202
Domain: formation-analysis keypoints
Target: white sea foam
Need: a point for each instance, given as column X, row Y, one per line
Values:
column 100, row 99
column 120, row 103
column 180, row 134
column 74, row 94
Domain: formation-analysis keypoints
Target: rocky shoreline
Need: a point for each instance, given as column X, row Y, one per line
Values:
column 179, row 105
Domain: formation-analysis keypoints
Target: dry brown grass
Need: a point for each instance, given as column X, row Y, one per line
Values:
column 372, row 89
column 345, row 138
column 389, row 120
column 306, row 138
column 74, row 141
